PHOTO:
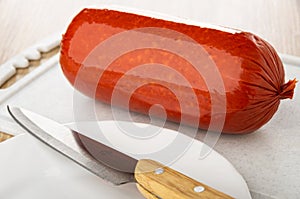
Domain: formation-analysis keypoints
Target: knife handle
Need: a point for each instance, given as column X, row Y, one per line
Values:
column 146, row 193
column 158, row 181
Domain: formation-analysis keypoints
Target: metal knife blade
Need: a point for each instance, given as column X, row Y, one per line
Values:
column 105, row 162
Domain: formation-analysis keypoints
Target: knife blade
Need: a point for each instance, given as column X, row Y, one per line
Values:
column 153, row 179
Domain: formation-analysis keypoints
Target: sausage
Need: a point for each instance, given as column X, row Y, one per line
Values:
column 209, row 77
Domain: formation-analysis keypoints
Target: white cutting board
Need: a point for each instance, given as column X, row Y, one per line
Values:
column 269, row 159
column 46, row 91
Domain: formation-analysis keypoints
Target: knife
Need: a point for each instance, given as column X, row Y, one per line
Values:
column 153, row 180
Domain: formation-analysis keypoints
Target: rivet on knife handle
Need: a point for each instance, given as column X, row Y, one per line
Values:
column 165, row 183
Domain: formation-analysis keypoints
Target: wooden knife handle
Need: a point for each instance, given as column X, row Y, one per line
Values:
column 158, row 181
column 146, row 193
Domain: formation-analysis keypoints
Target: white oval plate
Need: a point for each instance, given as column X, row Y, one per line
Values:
column 30, row 169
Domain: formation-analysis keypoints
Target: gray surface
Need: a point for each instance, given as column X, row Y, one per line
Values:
column 269, row 159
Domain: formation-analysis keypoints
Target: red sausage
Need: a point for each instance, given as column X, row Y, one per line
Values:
column 200, row 75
